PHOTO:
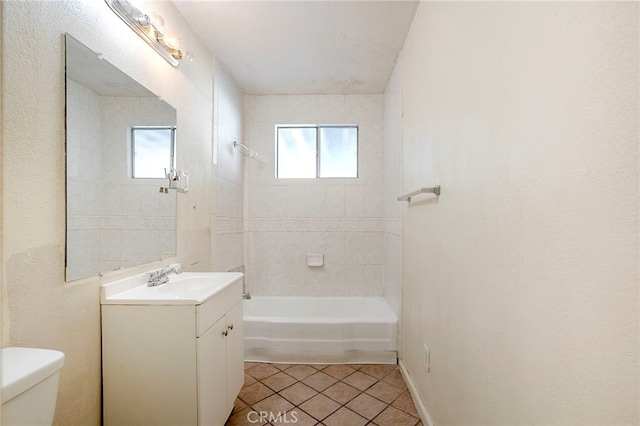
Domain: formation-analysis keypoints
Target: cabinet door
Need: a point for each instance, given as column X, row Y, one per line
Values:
column 235, row 353
column 212, row 376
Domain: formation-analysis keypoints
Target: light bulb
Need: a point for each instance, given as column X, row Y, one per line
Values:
column 157, row 21
column 171, row 41
column 187, row 57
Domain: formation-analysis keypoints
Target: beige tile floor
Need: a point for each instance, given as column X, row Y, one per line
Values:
column 329, row 395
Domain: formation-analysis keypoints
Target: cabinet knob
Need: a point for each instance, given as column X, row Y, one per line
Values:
column 224, row 333
column 230, row 327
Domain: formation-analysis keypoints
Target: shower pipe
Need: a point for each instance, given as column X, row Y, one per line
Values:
column 251, row 153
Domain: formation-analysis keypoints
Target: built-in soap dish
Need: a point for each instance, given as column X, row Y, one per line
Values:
column 315, row 260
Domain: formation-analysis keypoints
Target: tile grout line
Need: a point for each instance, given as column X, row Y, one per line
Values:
column 340, row 405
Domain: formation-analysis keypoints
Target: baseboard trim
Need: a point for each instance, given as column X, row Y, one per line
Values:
column 417, row 400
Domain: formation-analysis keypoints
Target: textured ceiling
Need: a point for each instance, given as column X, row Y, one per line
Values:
column 304, row 47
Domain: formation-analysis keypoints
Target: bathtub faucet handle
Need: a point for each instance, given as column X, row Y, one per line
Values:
column 245, row 294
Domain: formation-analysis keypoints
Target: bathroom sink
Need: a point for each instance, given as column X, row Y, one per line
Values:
column 188, row 284
column 187, row 288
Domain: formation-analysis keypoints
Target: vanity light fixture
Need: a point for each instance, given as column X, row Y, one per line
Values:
column 150, row 27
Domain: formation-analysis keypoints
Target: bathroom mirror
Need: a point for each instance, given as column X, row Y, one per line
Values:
column 115, row 220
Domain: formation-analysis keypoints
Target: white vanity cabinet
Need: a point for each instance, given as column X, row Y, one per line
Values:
column 221, row 345
column 166, row 364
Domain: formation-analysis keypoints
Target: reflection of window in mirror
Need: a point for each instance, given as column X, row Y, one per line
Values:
column 153, row 151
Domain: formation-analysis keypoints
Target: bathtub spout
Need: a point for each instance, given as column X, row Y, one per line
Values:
column 246, row 296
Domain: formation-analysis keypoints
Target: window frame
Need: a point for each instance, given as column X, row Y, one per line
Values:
column 317, row 128
column 172, row 153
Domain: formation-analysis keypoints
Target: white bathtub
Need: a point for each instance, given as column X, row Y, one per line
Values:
column 322, row 330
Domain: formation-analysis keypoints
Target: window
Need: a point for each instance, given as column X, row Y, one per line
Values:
column 153, row 151
column 329, row 151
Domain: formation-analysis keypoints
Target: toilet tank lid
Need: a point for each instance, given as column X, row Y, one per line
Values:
column 23, row 368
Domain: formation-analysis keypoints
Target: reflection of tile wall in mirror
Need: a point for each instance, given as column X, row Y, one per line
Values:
column 113, row 221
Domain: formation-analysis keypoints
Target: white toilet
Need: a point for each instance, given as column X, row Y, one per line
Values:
column 29, row 385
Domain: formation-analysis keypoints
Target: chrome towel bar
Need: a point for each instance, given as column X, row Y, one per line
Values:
column 407, row 197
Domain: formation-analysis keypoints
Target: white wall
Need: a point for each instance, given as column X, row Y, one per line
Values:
column 228, row 174
column 393, row 189
column 39, row 309
column 2, row 336
column 523, row 277
column 341, row 218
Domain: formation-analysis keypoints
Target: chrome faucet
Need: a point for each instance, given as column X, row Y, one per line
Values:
column 172, row 268
column 161, row 276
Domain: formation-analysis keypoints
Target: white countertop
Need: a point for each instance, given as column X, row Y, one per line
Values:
column 187, row 288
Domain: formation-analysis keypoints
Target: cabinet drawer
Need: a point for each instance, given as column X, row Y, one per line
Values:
column 213, row 309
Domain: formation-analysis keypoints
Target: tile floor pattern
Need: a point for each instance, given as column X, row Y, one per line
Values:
column 324, row 395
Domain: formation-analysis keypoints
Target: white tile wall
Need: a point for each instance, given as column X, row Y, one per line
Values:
column 288, row 218
column 114, row 221
column 83, row 183
column 228, row 208
column 141, row 219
